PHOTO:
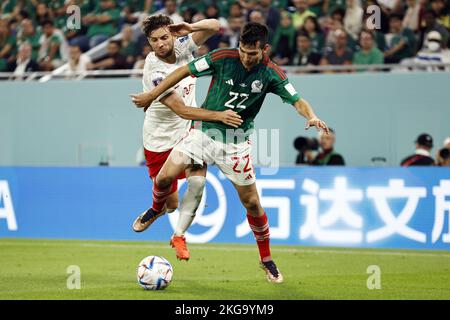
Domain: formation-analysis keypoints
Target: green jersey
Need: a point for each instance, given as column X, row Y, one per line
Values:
column 234, row 87
column 109, row 28
column 373, row 56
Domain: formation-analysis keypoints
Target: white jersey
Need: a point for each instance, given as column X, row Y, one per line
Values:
column 163, row 128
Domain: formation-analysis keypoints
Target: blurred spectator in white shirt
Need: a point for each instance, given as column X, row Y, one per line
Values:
column 432, row 53
column 170, row 9
column 353, row 18
column 411, row 19
column 78, row 62
column 24, row 62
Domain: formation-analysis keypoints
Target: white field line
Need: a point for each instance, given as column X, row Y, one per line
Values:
column 219, row 247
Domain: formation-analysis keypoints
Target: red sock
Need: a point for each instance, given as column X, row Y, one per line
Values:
column 260, row 228
column 160, row 197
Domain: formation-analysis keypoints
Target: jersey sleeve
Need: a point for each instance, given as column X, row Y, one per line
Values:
column 186, row 44
column 212, row 63
column 202, row 66
column 152, row 77
column 281, row 86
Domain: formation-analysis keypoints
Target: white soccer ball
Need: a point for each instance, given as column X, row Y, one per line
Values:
column 154, row 273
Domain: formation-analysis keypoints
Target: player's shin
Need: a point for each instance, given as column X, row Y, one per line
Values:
column 160, row 195
column 190, row 203
column 260, row 228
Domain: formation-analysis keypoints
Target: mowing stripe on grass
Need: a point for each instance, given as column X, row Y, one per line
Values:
column 220, row 247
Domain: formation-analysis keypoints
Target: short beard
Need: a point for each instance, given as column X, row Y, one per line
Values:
column 168, row 54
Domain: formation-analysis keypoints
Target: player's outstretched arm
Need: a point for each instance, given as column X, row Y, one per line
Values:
column 145, row 99
column 305, row 109
column 174, row 102
column 201, row 30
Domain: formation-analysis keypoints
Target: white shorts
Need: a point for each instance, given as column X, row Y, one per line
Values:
column 233, row 159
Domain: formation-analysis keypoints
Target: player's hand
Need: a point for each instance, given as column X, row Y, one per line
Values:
column 142, row 100
column 231, row 118
column 180, row 29
column 319, row 124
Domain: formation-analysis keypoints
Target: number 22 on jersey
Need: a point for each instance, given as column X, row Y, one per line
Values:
column 235, row 96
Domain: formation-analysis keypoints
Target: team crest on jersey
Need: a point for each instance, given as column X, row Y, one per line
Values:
column 257, row 86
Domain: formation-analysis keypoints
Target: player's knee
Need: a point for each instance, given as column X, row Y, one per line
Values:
column 252, row 204
column 163, row 181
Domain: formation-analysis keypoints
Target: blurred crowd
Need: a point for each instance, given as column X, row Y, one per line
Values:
column 422, row 155
column 318, row 151
column 321, row 151
column 34, row 34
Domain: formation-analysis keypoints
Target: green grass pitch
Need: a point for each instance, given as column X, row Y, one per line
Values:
column 36, row 269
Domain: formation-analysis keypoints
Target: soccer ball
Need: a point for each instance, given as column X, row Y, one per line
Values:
column 154, row 273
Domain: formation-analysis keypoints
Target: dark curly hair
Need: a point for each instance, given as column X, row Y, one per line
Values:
column 155, row 22
column 253, row 32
